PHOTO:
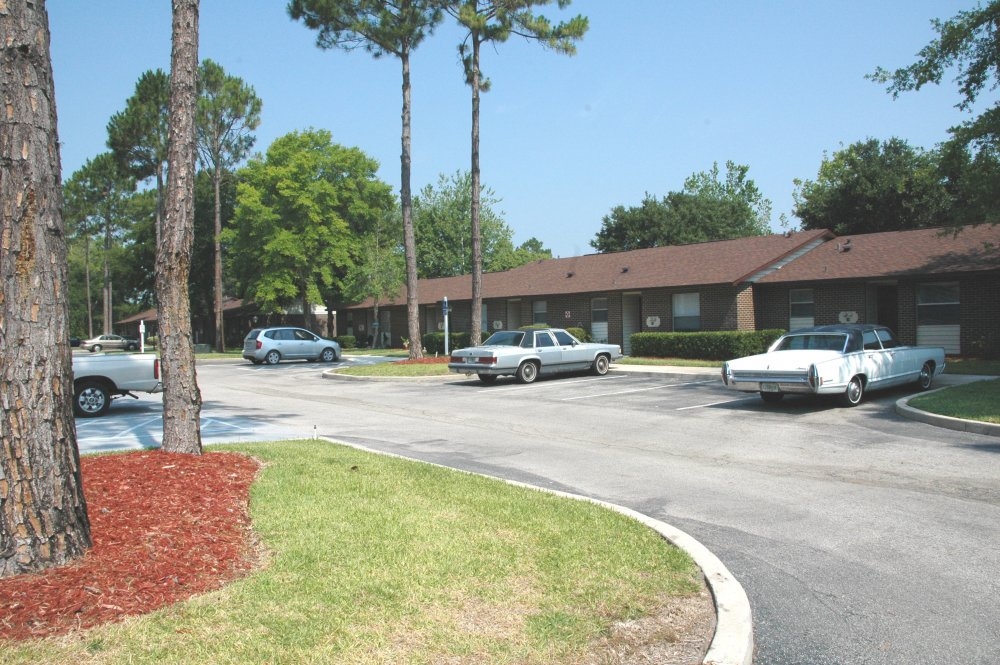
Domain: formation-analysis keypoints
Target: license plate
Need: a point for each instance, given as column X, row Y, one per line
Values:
column 471, row 361
column 769, row 388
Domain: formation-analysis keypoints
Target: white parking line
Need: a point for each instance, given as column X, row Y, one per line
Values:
column 728, row 401
column 547, row 384
column 637, row 390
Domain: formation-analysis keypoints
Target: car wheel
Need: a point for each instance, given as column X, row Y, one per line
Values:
column 601, row 365
column 131, row 347
column 771, row 398
column 855, row 391
column 91, row 399
column 527, row 372
column 272, row 358
column 328, row 356
column 95, row 348
column 926, row 377
column 488, row 379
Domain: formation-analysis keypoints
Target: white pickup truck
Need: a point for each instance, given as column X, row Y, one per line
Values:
column 99, row 378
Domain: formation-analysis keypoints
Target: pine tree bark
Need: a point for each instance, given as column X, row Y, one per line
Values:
column 43, row 514
column 181, row 396
column 409, row 235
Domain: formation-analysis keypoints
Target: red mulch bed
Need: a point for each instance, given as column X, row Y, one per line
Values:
column 165, row 527
column 425, row 361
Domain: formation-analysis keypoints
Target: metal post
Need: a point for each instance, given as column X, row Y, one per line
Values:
column 444, row 309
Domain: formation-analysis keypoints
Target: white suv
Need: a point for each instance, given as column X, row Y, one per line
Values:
column 272, row 345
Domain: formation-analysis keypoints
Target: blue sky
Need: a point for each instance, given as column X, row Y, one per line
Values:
column 658, row 90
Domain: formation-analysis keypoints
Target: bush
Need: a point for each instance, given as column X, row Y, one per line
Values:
column 434, row 342
column 580, row 334
column 346, row 341
column 723, row 345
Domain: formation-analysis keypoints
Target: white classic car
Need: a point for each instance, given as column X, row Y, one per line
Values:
column 526, row 354
column 844, row 360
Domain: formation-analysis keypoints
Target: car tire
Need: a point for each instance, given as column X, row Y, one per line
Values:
column 91, row 399
column 95, row 348
column 855, row 392
column 131, row 347
column 488, row 379
column 772, row 398
column 527, row 372
column 926, row 377
column 328, row 356
column 601, row 365
column 272, row 358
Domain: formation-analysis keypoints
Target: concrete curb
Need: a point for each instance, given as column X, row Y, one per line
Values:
column 904, row 409
column 733, row 642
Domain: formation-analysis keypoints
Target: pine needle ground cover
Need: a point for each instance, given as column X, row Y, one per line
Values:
column 371, row 559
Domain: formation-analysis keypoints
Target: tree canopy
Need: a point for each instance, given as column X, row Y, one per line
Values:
column 708, row 208
column 873, row 186
column 299, row 209
column 442, row 214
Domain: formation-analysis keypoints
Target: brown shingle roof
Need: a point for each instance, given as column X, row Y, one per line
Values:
column 896, row 254
column 720, row 262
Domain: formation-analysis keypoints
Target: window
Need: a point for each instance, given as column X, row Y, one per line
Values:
column 938, row 305
column 539, row 312
column 599, row 319
column 687, row 312
column 564, row 338
column 801, row 309
column 543, row 339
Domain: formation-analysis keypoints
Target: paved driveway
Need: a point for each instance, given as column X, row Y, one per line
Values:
column 859, row 536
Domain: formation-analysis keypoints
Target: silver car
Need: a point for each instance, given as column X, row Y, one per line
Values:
column 527, row 354
column 102, row 342
column 272, row 345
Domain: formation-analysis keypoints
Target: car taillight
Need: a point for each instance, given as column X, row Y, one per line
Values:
column 814, row 378
column 486, row 360
column 156, row 368
column 259, row 345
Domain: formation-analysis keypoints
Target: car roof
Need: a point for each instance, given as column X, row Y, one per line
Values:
column 838, row 328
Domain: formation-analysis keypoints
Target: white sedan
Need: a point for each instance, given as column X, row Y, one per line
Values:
column 845, row 360
column 526, row 354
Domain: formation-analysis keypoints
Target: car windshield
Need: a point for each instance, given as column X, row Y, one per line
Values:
column 822, row 342
column 505, row 338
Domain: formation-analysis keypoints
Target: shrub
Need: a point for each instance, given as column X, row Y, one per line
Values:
column 434, row 341
column 580, row 334
column 723, row 345
column 346, row 341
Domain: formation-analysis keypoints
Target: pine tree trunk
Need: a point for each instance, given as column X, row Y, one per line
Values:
column 43, row 514
column 409, row 237
column 220, row 336
column 181, row 397
column 477, row 253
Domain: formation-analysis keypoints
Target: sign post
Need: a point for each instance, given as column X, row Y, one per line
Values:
column 444, row 311
column 142, row 336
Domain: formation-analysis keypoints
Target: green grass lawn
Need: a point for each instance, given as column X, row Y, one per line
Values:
column 979, row 400
column 374, row 559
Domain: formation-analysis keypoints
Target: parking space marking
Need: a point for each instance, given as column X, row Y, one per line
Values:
column 522, row 387
column 637, row 390
column 728, row 401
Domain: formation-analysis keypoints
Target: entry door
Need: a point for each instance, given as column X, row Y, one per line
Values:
column 631, row 319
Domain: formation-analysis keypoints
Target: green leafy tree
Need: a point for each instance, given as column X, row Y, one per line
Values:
column 96, row 200
column 181, row 396
column 228, row 113
column 495, row 21
column 138, row 135
column 43, row 512
column 380, row 269
column 382, row 28
column 709, row 208
column 873, row 186
column 292, row 238
column 442, row 215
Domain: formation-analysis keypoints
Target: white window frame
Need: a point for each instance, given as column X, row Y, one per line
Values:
column 686, row 310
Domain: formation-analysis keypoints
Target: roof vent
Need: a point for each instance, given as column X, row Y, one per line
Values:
column 844, row 246
column 569, row 274
column 624, row 268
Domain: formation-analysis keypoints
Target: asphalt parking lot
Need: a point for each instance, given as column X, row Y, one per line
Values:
column 859, row 536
